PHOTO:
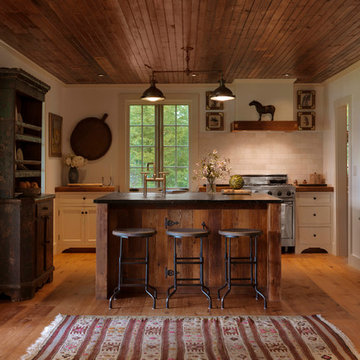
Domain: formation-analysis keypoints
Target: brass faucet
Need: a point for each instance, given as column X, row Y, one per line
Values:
column 161, row 178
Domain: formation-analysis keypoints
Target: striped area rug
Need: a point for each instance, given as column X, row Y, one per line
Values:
column 241, row 337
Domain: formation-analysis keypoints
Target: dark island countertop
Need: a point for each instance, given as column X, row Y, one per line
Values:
column 182, row 198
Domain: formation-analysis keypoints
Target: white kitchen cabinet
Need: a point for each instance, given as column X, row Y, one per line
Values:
column 314, row 212
column 75, row 224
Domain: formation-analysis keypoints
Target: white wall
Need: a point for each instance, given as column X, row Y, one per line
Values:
column 294, row 153
column 53, row 103
column 344, row 88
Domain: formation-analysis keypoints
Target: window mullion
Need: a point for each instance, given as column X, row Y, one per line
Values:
column 159, row 137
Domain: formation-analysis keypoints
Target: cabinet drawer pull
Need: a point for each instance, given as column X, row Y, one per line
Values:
column 84, row 198
column 314, row 235
column 314, row 197
column 85, row 212
column 82, row 212
column 314, row 214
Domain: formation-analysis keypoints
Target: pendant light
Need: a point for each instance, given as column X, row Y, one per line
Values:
column 153, row 94
column 222, row 93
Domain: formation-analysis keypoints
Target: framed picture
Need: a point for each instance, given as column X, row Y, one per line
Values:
column 306, row 120
column 211, row 104
column 214, row 121
column 55, row 130
column 306, row 99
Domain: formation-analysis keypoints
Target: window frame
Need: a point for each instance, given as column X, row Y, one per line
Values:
column 189, row 100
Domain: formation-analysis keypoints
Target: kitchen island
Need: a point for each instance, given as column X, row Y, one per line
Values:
column 218, row 211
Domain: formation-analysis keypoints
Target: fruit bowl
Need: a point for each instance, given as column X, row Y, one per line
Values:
column 29, row 192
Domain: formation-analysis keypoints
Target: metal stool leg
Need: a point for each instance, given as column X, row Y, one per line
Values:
column 226, row 259
column 175, row 277
column 255, row 284
column 117, row 289
column 228, row 280
column 205, row 290
column 147, row 276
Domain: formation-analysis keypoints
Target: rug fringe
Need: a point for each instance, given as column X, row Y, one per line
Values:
column 347, row 341
column 45, row 334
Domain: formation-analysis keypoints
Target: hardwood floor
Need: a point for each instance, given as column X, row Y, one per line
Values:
column 311, row 284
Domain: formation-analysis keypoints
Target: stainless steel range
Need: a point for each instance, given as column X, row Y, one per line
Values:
column 277, row 185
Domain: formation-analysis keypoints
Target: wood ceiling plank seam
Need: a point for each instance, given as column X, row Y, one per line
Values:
column 164, row 39
column 169, row 20
column 297, row 45
column 137, row 31
column 246, row 40
column 145, row 32
column 228, row 42
column 118, row 49
column 337, row 66
column 267, row 40
column 291, row 33
column 55, row 23
column 135, row 56
column 251, row 51
column 179, row 40
column 122, row 41
column 152, row 36
column 296, row 16
column 278, row 29
column 161, row 62
column 101, row 40
column 209, row 15
column 341, row 35
column 199, row 26
column 213, row 51
column 239, row 34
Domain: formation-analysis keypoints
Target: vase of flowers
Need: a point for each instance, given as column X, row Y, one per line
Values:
column 211, row 168
column 74, row 162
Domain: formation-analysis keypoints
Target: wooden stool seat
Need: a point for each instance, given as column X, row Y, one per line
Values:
column 239, row 232
column 180, row 233
column 126, row 233
column 134, row 232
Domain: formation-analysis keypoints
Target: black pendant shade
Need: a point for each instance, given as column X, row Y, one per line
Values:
column 222, row 93
column 152, row 93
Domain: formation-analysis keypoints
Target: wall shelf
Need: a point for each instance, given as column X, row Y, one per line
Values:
column 264, row 125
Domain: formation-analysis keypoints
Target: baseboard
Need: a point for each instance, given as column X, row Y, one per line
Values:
column 354, row 261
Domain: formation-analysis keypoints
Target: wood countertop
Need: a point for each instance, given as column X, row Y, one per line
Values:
column 182, row 198
column 85, row 188
column 314, row 188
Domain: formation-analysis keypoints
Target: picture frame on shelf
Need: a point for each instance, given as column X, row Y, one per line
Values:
column 55, row 135
column 306, row 120
column 212, row 104
column 214, row 121
column 306, row 99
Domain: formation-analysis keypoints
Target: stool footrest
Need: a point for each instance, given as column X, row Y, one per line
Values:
column 242, row 262
column 188, row 258
column 188, row 279
column 189, row 262
column 190, row 285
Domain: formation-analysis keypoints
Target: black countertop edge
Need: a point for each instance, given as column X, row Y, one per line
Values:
column 183, row 198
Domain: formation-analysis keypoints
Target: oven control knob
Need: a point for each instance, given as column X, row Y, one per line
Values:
column 288, row 193
column 270, row 192
column 279, row 193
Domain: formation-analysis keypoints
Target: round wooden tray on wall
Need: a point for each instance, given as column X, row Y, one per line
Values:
column 91, row 138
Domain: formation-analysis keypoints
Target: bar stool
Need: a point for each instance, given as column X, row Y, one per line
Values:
column 188, row 233
column 145, row 233
column 250, row 260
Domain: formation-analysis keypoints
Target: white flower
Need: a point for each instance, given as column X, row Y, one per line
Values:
column 74, row 160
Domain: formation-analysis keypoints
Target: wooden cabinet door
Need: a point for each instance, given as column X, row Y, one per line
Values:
column 90, row 226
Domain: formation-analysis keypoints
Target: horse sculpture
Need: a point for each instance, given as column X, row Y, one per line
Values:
column 268, row 109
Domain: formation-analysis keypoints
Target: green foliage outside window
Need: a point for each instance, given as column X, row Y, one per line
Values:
column 175, row 151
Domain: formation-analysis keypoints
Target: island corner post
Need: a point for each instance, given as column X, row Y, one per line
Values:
column 258, row 211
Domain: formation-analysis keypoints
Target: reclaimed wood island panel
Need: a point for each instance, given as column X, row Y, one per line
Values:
column 258, row 211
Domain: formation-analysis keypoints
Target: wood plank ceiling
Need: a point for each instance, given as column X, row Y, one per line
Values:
column 310, row 40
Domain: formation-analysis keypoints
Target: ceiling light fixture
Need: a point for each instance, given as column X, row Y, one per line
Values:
column 153, row 94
